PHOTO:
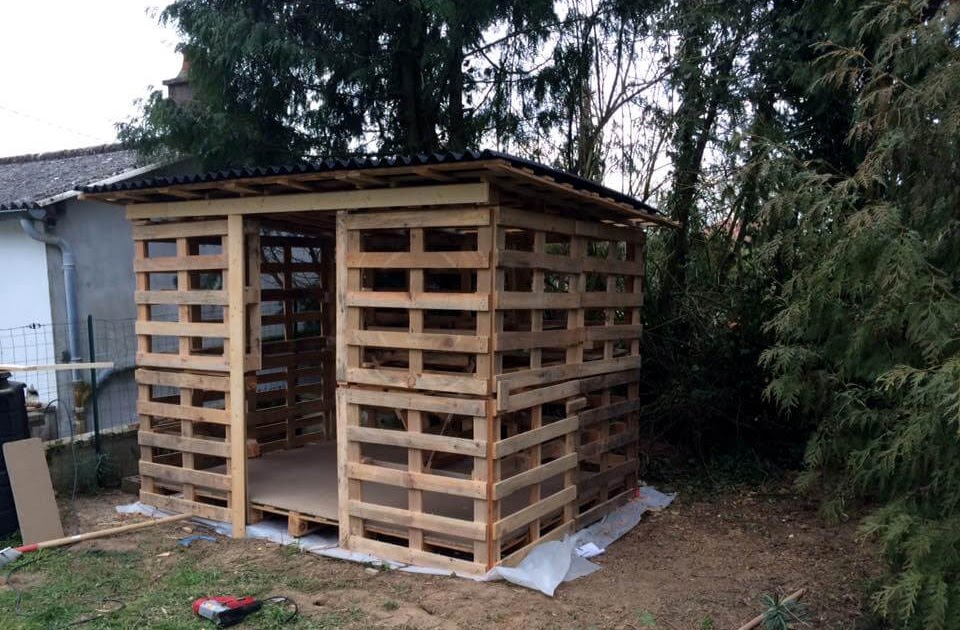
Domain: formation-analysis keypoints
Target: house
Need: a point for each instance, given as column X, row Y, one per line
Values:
column 438, row 353
column 63, row 259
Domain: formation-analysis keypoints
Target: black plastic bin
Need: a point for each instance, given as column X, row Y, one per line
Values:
column 13, row 426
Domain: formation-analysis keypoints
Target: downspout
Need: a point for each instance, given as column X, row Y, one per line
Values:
column 69, row 286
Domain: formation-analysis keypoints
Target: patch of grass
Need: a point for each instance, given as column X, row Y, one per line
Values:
column 646, row 619
column 60, row 587
column 390, row 605
column 708, row 623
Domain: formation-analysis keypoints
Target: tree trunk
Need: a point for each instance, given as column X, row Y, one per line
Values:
column 456, row 125
column 419, row 132
column 697, row 114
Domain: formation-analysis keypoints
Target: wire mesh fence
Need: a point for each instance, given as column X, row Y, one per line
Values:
column 70, row 402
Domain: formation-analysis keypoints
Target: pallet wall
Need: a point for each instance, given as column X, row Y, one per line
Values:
column 487, row 359
column 415, row 382
column 567, row 355
column 183, row 359
column 293, row 403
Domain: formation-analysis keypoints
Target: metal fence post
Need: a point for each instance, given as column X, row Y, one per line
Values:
column 93, row 387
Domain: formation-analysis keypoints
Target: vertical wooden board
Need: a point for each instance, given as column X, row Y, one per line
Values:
column 32, row 491
column 341, row 282
column 236, row 265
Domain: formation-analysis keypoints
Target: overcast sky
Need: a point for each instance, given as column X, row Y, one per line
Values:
column 70, row 69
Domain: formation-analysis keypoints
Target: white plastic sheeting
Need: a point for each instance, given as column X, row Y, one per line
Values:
column 544, row 569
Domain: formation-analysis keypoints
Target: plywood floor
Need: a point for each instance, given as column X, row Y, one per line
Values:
column 304, row 480
column 299, row 480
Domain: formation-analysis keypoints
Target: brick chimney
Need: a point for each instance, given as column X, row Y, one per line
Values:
column 178, row 88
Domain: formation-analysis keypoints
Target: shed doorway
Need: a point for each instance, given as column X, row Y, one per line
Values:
column 291, row 421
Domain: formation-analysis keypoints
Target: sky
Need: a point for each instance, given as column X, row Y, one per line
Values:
column 71, row 69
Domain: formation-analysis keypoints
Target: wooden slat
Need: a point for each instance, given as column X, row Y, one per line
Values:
column 527, row 478
column 208, row 382
column 514, row 217
column 586, row 485
column 592, row 416
column 159, row 231
column 414, row 556
column 421, row 260
column 449, row 218
column 531, row 260
column 419, row 520
column 418, row 481
column 199, row 363
column 184, row 475
column 527, row 340
column 433, row 382
column 600, row 299
column 435, row 301
column 418, row 341
column 214, row 298
column 236, row 281
column 214, row 448
column 593, row 264
column 537, row 510
column 179, row 263
column 539, row 396
column 182, row 329
column 599, row 511
column 508, row 300
column 422, row 441
column 176, row 504
column 607, row 333
column 593, row 449
column 416, row 196
column 420, row 402
column 544, row 376
column 181, row 412
column 527, row 439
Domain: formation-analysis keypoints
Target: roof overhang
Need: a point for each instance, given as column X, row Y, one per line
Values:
column 554, row 190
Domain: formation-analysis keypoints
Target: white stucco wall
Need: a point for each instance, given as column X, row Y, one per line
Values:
column 25, row 301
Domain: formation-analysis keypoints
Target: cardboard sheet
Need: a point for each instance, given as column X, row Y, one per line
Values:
column 32, row 491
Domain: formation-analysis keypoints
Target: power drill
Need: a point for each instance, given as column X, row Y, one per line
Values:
column 226, row 610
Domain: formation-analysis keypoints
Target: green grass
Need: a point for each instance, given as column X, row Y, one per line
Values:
column 60, row 588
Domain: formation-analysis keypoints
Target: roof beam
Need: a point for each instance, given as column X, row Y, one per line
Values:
column 412, row 196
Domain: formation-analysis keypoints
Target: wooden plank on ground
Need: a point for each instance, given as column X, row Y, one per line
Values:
column 29, row 475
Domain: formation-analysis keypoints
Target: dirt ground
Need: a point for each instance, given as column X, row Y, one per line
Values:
column 703, row 563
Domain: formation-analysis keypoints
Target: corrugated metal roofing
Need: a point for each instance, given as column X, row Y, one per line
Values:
column 370, row 163
column 26, row 181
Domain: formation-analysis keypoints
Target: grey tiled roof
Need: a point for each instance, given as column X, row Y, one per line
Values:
column 26, row 180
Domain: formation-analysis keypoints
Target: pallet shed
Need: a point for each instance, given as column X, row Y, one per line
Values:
column 439, row 354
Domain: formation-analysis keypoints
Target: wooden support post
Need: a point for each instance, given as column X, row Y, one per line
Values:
column 237, row 431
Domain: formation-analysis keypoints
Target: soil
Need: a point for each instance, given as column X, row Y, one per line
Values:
column 705, row 562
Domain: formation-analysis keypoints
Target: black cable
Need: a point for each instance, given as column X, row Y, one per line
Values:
column 283, row 599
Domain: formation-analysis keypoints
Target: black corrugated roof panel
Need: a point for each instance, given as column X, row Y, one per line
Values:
column 370, row 163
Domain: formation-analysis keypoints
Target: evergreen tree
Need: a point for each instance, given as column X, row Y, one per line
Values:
column 867, row 330
column 275, row 81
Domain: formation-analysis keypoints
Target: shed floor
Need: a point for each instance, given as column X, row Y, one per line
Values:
column 300, row 480
column 304, row 480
